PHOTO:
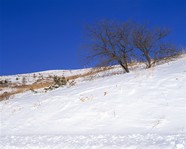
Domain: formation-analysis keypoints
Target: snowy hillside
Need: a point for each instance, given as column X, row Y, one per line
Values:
column 33, row 77
column 143, row 109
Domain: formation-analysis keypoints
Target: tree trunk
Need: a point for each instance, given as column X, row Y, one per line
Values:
column 124, row 67
column 149, row 63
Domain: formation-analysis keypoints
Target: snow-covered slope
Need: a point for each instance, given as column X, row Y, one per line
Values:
column 30, row 78
column 142, row 109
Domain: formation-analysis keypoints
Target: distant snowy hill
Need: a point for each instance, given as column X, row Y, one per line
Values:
column 143, row 109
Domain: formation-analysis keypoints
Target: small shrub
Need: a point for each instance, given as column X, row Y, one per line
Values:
column 59, row 82
column 4, row 82
column 5, row 96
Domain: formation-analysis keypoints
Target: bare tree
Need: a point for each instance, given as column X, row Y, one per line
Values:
column 111, row 43
column 116, row 43
column 149, row 43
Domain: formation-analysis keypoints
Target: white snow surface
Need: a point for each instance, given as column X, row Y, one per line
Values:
column 142, row 109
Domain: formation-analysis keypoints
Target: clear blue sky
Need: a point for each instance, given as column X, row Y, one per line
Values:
column 38, row 35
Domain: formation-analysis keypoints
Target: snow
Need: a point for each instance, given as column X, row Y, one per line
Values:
column 137, row 141
column 33, row 77
column 143, row 109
